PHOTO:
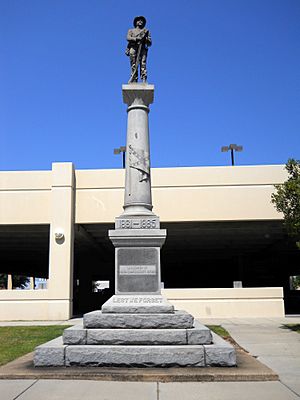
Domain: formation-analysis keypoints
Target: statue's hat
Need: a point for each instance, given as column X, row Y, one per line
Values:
column 137, row 18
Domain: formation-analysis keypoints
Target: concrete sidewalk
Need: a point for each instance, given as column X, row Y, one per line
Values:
column 276, row 347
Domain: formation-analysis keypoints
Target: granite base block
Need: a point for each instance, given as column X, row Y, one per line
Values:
column 220, row 353
column 50, row 354
column 75, row 335
column 97, row 319
column 135, row 356
column 199, row 334
column 57, row 354
column 137, row 340
column 136, row 336
column 141, row 304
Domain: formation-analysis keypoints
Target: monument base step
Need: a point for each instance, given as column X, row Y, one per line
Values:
column 98, row 319
column 77, row 335
column 135, row 356
column 55, row 353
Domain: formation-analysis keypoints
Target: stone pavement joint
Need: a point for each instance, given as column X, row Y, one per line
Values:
column 25, row 390
column 293, row 391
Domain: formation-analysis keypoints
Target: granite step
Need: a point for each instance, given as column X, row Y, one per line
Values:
column 135, row 356
column 77, row 335
column 177, row 320
column 56, row 354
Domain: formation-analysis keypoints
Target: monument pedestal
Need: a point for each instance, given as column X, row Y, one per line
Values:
column 137, row 260
column 137, row 269
column 137, row 327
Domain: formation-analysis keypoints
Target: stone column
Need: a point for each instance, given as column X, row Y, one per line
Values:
column 138, row 183
column 137, row 236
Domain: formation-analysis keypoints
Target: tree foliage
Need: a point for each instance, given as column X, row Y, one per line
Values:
column 18, row 281
column 287, row 199
column 3, row 281
column 296, row 282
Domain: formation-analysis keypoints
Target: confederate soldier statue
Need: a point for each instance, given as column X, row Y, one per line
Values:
column 139, row 40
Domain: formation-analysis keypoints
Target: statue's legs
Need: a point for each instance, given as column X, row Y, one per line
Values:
column 143, row 68
column 132, row 56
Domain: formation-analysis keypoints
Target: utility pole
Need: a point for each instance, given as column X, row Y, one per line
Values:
column 232, row 148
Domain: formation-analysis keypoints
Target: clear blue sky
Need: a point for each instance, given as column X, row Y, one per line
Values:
column 225, row 71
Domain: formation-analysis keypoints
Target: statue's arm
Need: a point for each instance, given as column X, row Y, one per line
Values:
column 148, row 39
column 130, row 36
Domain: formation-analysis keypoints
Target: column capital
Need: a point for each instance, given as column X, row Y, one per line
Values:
column 138, row 93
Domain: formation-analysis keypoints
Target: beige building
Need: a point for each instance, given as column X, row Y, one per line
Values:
column 223, row 233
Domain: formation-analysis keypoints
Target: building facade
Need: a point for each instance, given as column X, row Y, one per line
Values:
column 226, row 253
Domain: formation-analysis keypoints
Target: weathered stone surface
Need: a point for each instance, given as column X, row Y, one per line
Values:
column 137, row 347
column 97, row 319
column 200, row 334
column 142, row 304
column 74, row 335
column 137, row 237
column 140, row 91
column 220, row 353
column 131, row 222
column 50, row 354
column 137, row 265
column 137, row 270
column 136, row 336
column 135, row 356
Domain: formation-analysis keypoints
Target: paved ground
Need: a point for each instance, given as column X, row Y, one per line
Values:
column 276, row 347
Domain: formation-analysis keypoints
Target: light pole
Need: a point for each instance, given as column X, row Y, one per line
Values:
column 121, row 149
column 231, row 147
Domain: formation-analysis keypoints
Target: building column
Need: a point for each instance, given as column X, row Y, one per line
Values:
column 31, row 283
column 9, row 282
column 61, row 247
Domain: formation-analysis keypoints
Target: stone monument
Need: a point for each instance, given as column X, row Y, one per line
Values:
column 137, row 327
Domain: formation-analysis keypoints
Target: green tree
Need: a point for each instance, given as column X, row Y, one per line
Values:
column 296, row 282
column 18, row 281
column 287, row 199
column 3, row 281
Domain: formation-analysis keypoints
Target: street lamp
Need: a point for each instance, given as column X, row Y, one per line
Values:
column 231, row 147
column 121, row 149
